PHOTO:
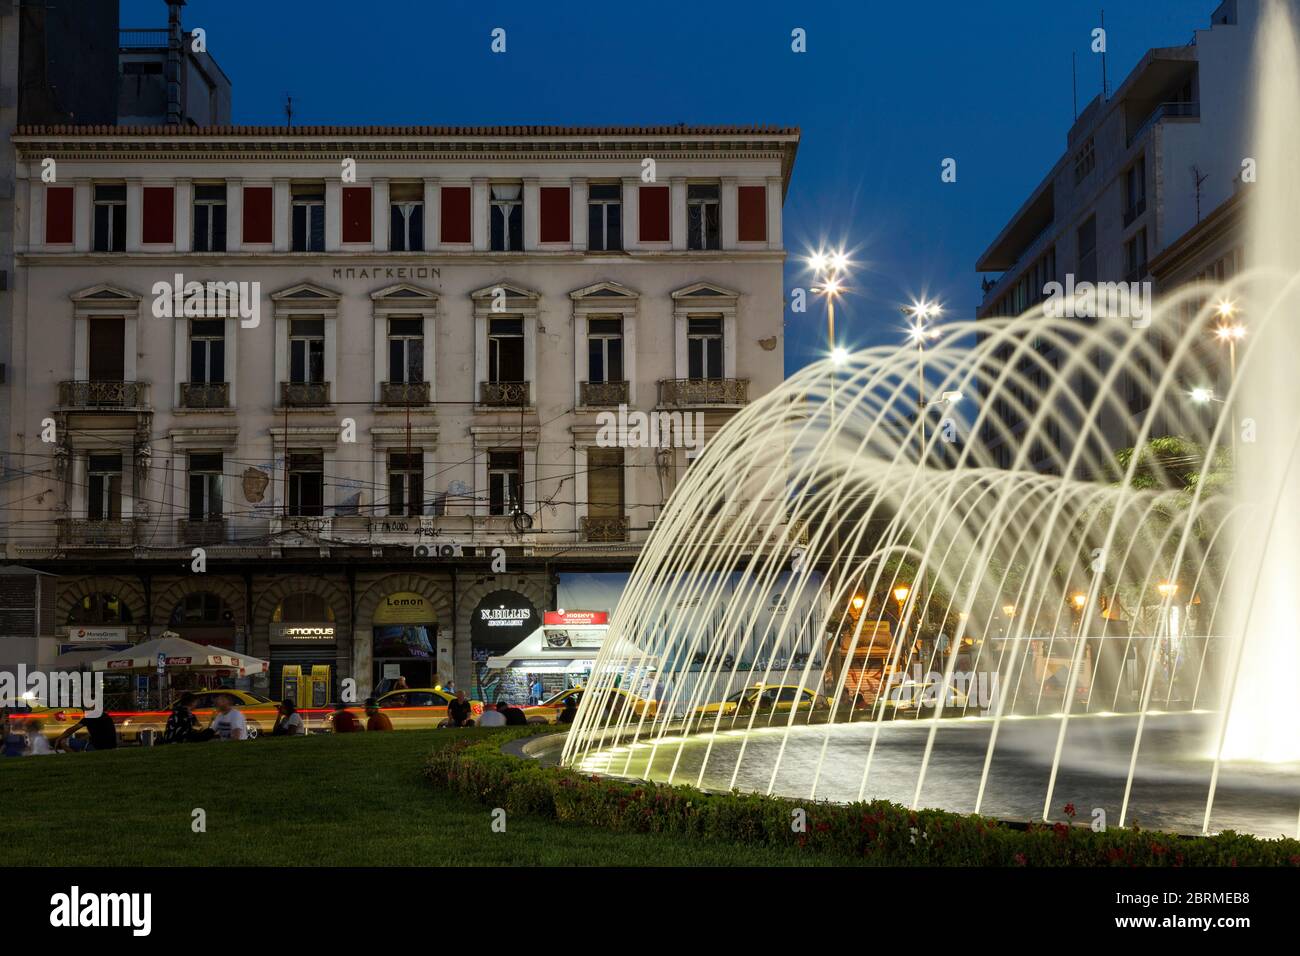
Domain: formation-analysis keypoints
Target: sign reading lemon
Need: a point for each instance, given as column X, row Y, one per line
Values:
column 404, row 607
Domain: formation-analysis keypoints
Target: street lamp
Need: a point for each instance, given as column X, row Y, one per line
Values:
column 830, row 270
column 1229, row 332
column 858, row 602
column 920, row 313
column 1079, row 600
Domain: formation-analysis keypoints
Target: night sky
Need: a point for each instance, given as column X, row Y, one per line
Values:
column 883, row 94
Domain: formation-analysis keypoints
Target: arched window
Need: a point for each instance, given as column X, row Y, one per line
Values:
column 201, row 608
column 100, row 608
column 302, row 608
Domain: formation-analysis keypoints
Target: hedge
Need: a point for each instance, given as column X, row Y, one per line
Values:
column 876, row 831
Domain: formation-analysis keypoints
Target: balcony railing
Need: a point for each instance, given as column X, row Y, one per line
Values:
column 206, row 532
column 505, row 394
column 103, row 394
column 95, row 533
column 603, row 393
column 1162, row 112
column 604, row 529
column 404, row 393
column 703, row 391
column 205, row 394
column 304, row 394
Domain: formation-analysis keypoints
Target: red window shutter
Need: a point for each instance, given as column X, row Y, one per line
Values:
column 258, row 214
column 455, row 214
column 654, row 206
column 555, row 213
column 159, row 213
column 751, row 205
column 356, row 214
column 58, row 214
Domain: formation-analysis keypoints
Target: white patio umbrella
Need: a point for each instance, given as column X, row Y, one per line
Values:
column 178, row 655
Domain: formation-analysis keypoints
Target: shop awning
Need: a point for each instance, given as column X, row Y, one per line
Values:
column 177, row 654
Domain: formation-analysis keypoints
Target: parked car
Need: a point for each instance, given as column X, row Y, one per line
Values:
column 548, row 712
column 417, row 708
column 767, row 700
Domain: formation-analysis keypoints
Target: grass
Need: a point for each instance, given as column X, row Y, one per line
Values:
column 351, row 800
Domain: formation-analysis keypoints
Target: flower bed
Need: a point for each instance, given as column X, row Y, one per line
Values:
column 875, row 831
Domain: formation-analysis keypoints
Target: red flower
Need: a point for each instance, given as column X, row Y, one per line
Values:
column 1020, row 859
column 1060, row 829
column 1069, row 810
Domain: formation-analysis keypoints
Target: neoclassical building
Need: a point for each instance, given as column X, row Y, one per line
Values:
column 333, row 395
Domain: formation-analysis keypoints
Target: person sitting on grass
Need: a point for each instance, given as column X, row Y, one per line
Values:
column 493, row 716
column 228, row 723
column 37, row 745
column 514, row 716
column 570, row 710
column 345, row 722
column 181, row 722
column 288, row 722
column 378, row 719
column 458, row 711
column 101, row 734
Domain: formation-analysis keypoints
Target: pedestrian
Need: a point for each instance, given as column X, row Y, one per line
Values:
column 458, row 711
column 101, row 734
column 538, row 690
column 228, row 723
column 400, row 684
column 345, row 722
column 449, row 687
column 570, row 709
column 378, row 719
column 493, row 716
column 181, row 722
column 288, row 722
column 514, row 716
column 37, row 745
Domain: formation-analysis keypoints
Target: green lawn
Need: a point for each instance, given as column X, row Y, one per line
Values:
column 352, row 800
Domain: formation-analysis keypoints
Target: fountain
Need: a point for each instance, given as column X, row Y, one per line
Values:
column 1010, row 617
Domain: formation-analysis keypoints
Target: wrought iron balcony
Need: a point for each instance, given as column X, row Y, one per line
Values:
column 404, row 393
column 304, row 394
column 103, row 394
column 95, row 533
column 703, row 391
column 604, row 529
column 505, row 394
column 205, row 394
column 206, row 532
column 603, row 393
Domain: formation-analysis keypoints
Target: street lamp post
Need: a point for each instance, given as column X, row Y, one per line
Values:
column 1230, row 332
column 830, row 270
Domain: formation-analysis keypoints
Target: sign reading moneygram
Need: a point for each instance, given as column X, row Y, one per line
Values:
column 96, row 635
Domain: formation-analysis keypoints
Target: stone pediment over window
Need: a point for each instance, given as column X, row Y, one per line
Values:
column 306, row 292
column 402, row 290
column 511, row 291
column 106, row 294
column 705, row 290
column 605, row 290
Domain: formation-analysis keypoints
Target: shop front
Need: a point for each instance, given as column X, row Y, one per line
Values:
column 304, row 651
column 405, row 643
column 558, row 655
column 500, row 622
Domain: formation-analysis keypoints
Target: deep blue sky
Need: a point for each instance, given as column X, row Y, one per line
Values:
column 885, row 92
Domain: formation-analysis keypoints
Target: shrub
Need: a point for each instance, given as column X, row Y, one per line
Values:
column 877, row 831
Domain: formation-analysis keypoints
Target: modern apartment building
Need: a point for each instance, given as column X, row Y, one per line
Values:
column 1142, row 168
column 334, row 396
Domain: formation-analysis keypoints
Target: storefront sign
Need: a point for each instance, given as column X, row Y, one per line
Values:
column 502, row 620
column 96, row 635
column 302, row 633
column 575, row 618
column 404, row 607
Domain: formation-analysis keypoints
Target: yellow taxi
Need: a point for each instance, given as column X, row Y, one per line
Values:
column 53, row 720
column 767, row 699
column 259, row 713
column 412, row 708
column 549, row 710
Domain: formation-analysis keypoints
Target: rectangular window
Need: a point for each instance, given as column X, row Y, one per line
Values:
column 306, row 484
column 653, row 204
column 704, row 348
column 751, row 213
column 357, row 214
column 158, row 206
column 406, row 350
column 209, row 217
column 58, row 214
column 605, row 217
column 556, row 221
column 259, row 205
column 703, row 217
column 506, row 350
column 406, row 217
column 308, row 206
column 454, row 216
column 106, row 342
column 406, row 483
column 207, row 351
column 1087, row 260
column 507, row 212
column 104, row 488
column 205, row 486
column 306, row 350
column 1085, row 161
column 1135, row 255
column 605, row 482
column 1135, row 190
column 110, row 218
column 505, row 482
column 605, row 350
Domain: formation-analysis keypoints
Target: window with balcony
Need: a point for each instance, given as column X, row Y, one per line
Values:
column 307, row 351
column 406, row 482
column 106, row 340
column 110, row 218
column 703, row 217
column 505, row 482
column 605, row 519
column 506, row 350
column 207, row 386
column 308, row 207
column 306, row 484
column 406, row 351
column 209, row 217
column 606, row 383
column 605, row 217
column 704, row 347
column 104, row 488
column 205, row 486
column 406, row 217
column 507, row 211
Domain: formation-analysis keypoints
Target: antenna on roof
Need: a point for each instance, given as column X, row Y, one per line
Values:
column 1105, row 93
column 288, row 109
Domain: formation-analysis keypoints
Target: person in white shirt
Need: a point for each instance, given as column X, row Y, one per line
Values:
column 289, row 723
column 228, row 724
column 37, row 744
column 491, row 717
